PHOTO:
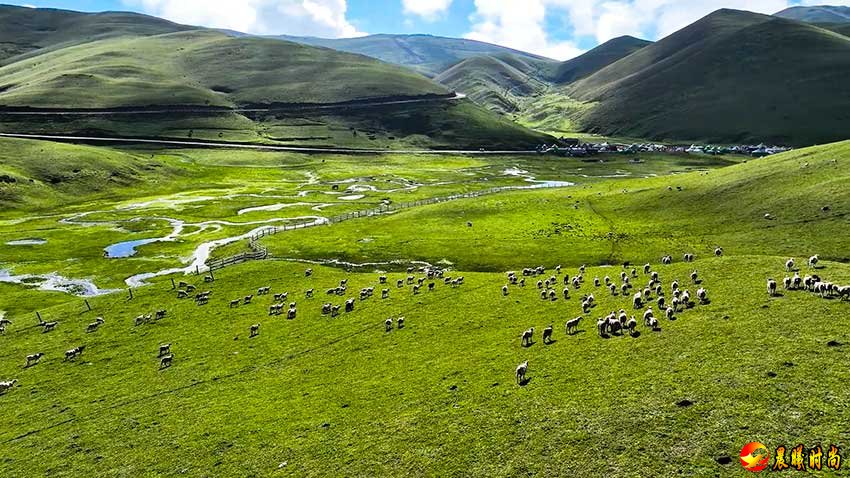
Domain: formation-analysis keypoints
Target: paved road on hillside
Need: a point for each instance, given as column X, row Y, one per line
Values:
column 266, row 147
column 214, row 110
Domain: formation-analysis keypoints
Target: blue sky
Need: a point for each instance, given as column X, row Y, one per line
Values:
column 559, row 29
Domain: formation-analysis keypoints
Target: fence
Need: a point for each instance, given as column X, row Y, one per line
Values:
column 259, row 252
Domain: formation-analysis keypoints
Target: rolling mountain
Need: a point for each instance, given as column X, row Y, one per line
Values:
column 494, row 82
column 732, row 76
column 597, row 58
column 427, row 54
column 31, row 30
column 817, row 14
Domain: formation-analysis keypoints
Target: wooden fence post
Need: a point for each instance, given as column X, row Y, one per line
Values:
column 88, row 306
column 130, row 290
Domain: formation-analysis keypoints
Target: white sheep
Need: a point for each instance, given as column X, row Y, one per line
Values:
column 572, row 325
column 632, row 325
column 547, row 334
column 165, row 362
column 789, row 265
column 6, row 386
column 702, row 295
column 527, row 337
column 255, row 330
column 813, row 261
column 521, row 370
column 669, row 313
column 601, row 326
column 771, row 287
column 388, row 324
column 637, row 300
column 504, row 290
column 164, row 349
column 400, row 322
column 786, row 283
column 34, row 359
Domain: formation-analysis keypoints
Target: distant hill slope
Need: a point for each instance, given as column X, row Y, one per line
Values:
column 732, row 76
column 201, row 68
column 26, row 30
column 492, row 81
column 430, row 55
column 817, row 14
column 597, row 58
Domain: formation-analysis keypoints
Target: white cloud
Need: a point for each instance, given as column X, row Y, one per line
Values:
column 518, row 25
column 427, row 9
column 324, row 18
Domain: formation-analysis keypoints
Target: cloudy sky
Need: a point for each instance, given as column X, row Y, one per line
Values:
column 558, row 29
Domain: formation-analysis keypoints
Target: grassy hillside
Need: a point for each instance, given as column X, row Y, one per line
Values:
column 315, row 395
column 430, row 55
column 817, row 14
column 27, row 31
column 727, row 78
column 201, row 68
column 492, row 82
column 598, row 58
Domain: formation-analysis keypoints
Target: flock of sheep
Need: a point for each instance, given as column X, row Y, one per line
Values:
column 617, row 322
column 812, row 283
column 186, row 291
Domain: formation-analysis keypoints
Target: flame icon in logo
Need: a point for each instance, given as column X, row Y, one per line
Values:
column 754, row 457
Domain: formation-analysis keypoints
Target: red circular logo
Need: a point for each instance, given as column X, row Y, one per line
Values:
column 754, row 457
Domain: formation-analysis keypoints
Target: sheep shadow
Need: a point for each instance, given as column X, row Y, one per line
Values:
column 550, row 342
column 576, row 332
column 524, row 382
column 705, row 302
column 777, row 295
column 635, row 334
column 605, row 335
column 528, row 344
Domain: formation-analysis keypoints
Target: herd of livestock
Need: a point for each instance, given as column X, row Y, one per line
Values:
column 646, row 299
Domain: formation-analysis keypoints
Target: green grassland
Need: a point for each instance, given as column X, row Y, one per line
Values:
column 316, row 396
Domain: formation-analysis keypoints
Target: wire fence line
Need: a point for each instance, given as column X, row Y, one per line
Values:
column 259, row 252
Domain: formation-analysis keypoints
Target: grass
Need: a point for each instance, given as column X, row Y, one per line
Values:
column 314, row 395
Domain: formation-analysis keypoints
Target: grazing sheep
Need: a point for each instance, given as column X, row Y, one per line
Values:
column 527, row 337
column 182, row 294
column 182, row 285
column 718, row 251
column 694, row 277
column 281, row 297
column 255, row 330
column 631, row 325
column 326, row 309
column 309, row 293
column 540, row 284
column 382, row 279
column 591, row 299
column 601, row 326
column 416, row 289
column 553, row 296
column 844, row 292
column 292, row 313
column 160, row 314
column 646, row 315
column 660, row 301
column 34, row 359
column 431, row 286
column 6, row 386
column 702, row 295
column 653, row 324
column 522, row 282
column 235, row 303
column 614, row 325
column 675, row 304
column 566, row 293
column 388, row 324
column 797, row 280
column 558, row 269
column 248, row 299
column 585, row 306
column 547, row 334
column 164, row 349
column 637, row 300
column 349, row 305
column 190, row 288
column 264, row 290
column 399, row 283
column 521, row 370
column 92, row 327
column 686, row 298
column 789, row 265
column 335, row 311
column 385, row 293
column 400, row 322
column 786, row 283
column 74, row 353
column 572, row 325
column 634, row 272
column 308, row 272
column 49, row 326
column 410, row 279
column 596, row 281
column 647, row 268
column 613, row 289
column 771, row 287
column 669, row 313
column 165, row 362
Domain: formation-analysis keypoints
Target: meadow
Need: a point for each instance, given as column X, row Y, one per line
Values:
column 319, row 396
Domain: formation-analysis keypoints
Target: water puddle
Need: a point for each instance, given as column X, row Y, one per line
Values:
column 27, row 242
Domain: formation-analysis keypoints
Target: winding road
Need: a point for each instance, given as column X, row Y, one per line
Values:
column 263, row 147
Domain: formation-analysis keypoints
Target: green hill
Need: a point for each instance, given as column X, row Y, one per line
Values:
column 492, row 82
column 201, row 68
column 817, row 14
column 732, row 76
column 28, row 30
column 430, row 55
column 598, row 58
